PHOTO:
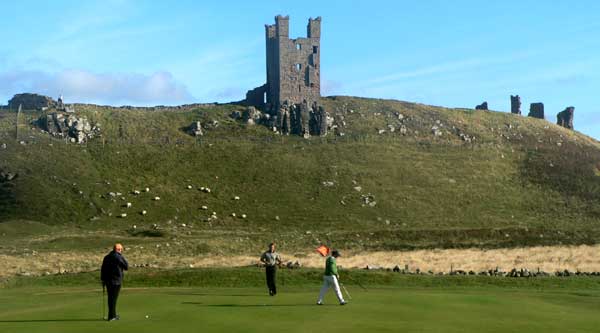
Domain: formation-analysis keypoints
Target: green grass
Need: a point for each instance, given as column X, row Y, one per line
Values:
column 235, row 300
column 249, row 309
column 431, row 192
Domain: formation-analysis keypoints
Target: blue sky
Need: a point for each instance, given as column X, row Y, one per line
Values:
column 448, row 53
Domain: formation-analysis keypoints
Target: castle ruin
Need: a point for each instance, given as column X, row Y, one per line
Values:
column 290, row 98
column 293, row 67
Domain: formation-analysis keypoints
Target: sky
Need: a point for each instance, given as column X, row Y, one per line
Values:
column 447, row 53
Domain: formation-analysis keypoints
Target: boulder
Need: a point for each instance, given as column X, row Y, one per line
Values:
column 435, row 130
column 251, row 115
column 236, row 115
column 195, row 129
column 6, row 176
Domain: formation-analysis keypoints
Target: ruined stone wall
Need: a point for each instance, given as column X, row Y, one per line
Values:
column 256, row 96
column 565, row 117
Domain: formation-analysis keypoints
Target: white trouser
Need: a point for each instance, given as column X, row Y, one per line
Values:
column 330, row 281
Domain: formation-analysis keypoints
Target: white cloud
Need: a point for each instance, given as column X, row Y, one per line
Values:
column 105, row 88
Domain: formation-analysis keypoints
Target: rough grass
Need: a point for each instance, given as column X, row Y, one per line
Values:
column 249, row 277
column 521, row 182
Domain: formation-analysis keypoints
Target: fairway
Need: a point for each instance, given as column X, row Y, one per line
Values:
column 251, row 310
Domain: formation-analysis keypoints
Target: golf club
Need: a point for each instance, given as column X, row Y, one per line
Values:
column 346, row 290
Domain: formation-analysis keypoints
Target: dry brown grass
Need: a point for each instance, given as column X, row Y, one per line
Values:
column 549, row 259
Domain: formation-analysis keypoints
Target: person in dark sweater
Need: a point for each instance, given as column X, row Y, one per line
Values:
column 111, row 275
column 271, row 259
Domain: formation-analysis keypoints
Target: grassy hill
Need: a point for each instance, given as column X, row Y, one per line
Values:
column 518, row 182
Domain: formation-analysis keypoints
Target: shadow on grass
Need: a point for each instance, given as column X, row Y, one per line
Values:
column 49, row 320
column 218, row 295
column 246, row 305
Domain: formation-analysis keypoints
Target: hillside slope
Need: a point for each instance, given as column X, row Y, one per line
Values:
column 485, row 179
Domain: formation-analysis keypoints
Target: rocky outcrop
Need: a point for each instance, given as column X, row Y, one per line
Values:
column 284, row 120
column 565, row 117
column 6, row 176
column 77, row 129
column 318, row 120
column 251, row 115
column 482, row 106
column 300, row 119
column 195, row 129
column 304, row 120
column 515, row 104
column 31, row 102
column 536, row 110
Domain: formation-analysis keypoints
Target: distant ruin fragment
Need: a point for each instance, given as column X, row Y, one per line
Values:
column 565, row 117
column 37, row 102
column 515, row 104
column 482, row 106
column 536, row 110
column 31, row 102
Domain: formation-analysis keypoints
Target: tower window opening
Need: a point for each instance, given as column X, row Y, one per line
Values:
column 298, row 67
column 315, row 49
column 298, row 46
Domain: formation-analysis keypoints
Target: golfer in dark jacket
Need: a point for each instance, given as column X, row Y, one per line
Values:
column 112, row 277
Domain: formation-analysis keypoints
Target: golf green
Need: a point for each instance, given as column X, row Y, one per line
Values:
column 65, row 310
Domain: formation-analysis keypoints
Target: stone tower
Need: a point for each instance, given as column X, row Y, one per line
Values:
column 293, row 67
column 515, row 104
column 536, row 110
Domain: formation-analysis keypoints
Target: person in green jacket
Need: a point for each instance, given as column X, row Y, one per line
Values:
column 330, row 279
